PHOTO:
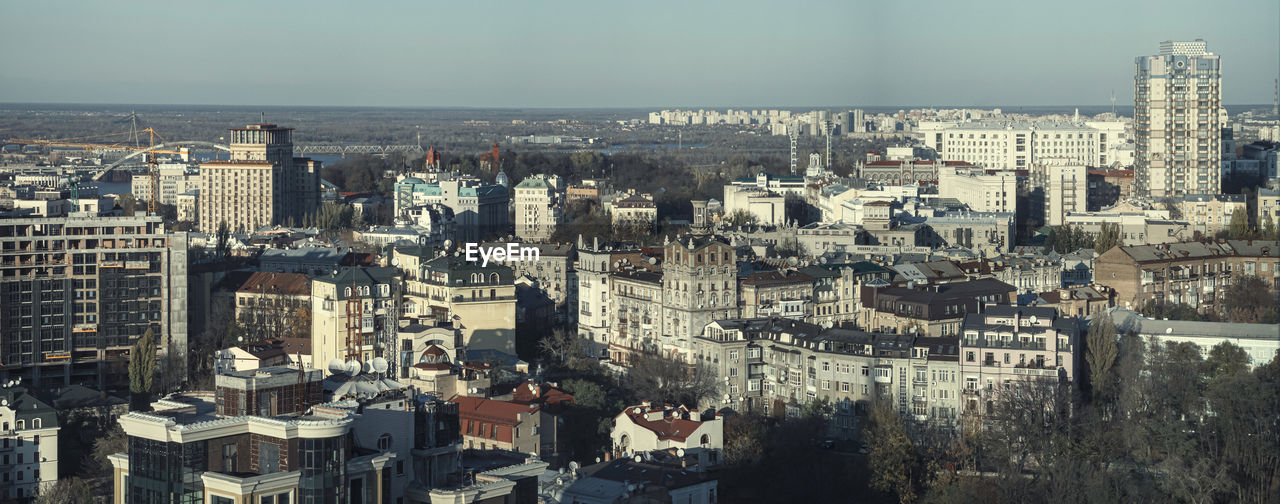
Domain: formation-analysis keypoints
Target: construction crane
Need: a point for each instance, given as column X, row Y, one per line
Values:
column 153, row 171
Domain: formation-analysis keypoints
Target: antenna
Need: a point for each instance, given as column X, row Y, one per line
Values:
column 1113, row 104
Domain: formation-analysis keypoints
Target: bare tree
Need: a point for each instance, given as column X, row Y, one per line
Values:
column 660, row 379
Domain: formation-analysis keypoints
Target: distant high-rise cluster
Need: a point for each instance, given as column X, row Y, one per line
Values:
column 1178, row 120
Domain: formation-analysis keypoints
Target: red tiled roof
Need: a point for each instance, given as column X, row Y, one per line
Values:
column 670, row 427
column 490, row 419
column 533, row 393
column 287, row 284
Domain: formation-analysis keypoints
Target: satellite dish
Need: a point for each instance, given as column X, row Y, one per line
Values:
column 448, row 243
column 380, row 365
column 4, row 402
column 653, row 260
column 395, row 261
column 573, row 466
column 638, row 459
column 1168, row 330
column 1033, row 320
column 679, row 452
column 353, row 367
column 597, row 460
column 336, row 366
column 367, row 367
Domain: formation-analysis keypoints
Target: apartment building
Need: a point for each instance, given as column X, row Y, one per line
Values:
column 1008, row 343
column 539, row 206
column 980, row 190
column 837, row 290
column 1210, row 214
column 1177, row 121
column 932, row 310
column 478, row 299
column 767, row 364
column 262, row 184
column 1016, row 145
column 1267, row 205
column 554, row 274
column 647, row 427
column 500, row 425
column 479, row 209
column 636, row 307
column 354, row 313
column 634, row 210
column 1192, row 273
column 595, row 290
column 79, row 289
column 278, row 304
column 28, row 444
column 1060, row 189
column 175, row 179
column 987, row 233
column 699, row 285
column 1108, row 187
column 782, row 293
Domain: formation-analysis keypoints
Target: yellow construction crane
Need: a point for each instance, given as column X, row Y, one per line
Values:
column 153, row 205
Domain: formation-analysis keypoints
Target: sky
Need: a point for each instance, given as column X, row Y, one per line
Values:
column 649, row 54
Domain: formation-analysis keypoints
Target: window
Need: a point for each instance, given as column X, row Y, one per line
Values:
column 229, row 457
column 384, row 442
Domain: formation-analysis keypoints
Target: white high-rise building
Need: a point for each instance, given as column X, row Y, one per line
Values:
column 539, row 206
column 1177, row 101
column 1016, row 145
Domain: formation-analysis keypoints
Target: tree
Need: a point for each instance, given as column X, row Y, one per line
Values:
column 223, row 246
column 565, row 349
column 739, row 218
column 1109, row 236
column 65, row 490
column 664, row 380
column 1101, row 352
column 335, row 217
column 1226, row 359
column 891, row 454
column 128, row 204
column 1238, row 227
column 111, row 442
column 1250, row 300
column 142, row 369
column 744, row 439
column 1267, row 228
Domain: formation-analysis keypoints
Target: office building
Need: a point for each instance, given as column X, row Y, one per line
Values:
column 539, row 207
column 262, row 184
column 1178, row 121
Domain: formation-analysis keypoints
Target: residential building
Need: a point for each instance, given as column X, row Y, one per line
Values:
column 174, row 179
column 28, row 444
column 275, row 305
column 699, row 284
column 1210, row 214
column 635, row 210
column 636, row 300
column 595, row 291
column 553, row 273
column 262, row 183
column 781, row 293
column 987, row 233
column 1192, row 273
column 81, row 288
column 837, row 290
column 188, row 204
column 773, row 366
column 646, row 427
column 354, row 313
column 500, row 425
column 1136, row 228
column 936, row 310
column 980, row 190
column 1267, row 204
column 1063, row 189
column 1177, row 121
column 310, row 261
column 539, row 206
column 589, row 189
column 1017, row 145
column 1260, row 342
column 479, row 209
column 478, row 299
column 1008, row 343
column 658, row 477
column 1108, row 187
column 1080, row 301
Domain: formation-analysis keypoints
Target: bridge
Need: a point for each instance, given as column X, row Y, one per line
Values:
column 305, row 149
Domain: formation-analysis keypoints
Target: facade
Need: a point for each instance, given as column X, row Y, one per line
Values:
column 1108, row 187
column 499, row 425
column 1210, row 214
column 354, row 314
column 937, row 310
column 79, row 291
column 699, row 285
column 1136, row 228
column 647, row 427
column 772, row 365
column 1007, row 343
column 28, row 444
column 988, row 233
column 906, row 172
column 1192, row 273
column 554, row 274
column 768, row 207
column 595, row 287
column 634, row 210
column 980, row 190
column 479, row 209
column 1177, row 121
column 188, row 204
column 1065, row 190
column 539, row 206
column 1267, row 206
column 174, row 179
column 1259, row 341
column 262, row 184
column 1017, row 145
column 635, row 304
column 783, row 293
column 277, row 304
column 480, row 300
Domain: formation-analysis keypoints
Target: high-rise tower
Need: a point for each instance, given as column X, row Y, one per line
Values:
column 1177, row 98
column 261, row 185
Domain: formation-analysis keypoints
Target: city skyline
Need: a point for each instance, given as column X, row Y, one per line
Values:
column 580, row 55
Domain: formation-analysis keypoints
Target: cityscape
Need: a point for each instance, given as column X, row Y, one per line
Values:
column 326, row 292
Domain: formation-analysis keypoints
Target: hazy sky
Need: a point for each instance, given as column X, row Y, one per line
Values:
column 618, row 54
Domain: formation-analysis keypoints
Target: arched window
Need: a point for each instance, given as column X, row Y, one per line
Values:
column 346, row 292
column 35, row 423
column 705, row 440
column 493, row 278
